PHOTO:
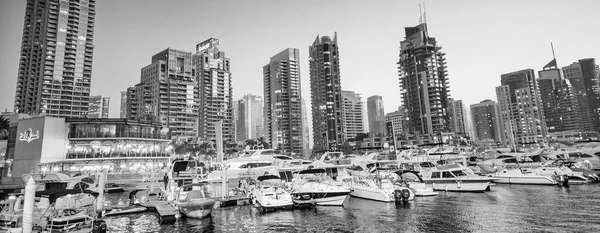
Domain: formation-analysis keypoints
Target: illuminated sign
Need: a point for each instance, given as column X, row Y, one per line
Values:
column 28, row 135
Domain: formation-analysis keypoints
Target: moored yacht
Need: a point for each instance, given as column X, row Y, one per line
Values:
column 270, row 194
column 375, row 188
column 455, row 177
column 522, row 176
column 316, row 186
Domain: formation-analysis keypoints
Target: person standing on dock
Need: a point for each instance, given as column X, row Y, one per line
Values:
column 166, row 180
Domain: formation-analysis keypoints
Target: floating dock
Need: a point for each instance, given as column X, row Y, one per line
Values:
column 231, row 201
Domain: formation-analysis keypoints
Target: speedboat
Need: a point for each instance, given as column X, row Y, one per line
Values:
column 374, row 181
column 415, row 183
column 314, row 185
column 376, row 188
column 270, row 195
column 193, row 201
column 457, row 178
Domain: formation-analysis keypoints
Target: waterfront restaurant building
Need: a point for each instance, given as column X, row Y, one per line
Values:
column 50, row 144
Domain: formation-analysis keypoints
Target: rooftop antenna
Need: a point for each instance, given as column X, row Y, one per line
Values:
column 424, row 14
column 553, row 56
column 420, row 15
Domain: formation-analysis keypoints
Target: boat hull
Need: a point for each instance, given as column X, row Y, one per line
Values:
column 196, row 208
column 324, row 199
column 536, row 180
column 372, row 194
column 459, row 186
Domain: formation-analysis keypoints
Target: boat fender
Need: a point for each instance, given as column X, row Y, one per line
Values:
column 458, row 183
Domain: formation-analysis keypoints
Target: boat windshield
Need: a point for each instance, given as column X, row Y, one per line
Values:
column 458, row 173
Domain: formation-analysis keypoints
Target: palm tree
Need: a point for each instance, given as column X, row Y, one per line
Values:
column 3, row 127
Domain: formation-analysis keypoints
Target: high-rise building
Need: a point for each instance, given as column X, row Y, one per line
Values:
column 486, row 121
column 167, row 92
column 397, row 118
column 584, row 76
column 239, row 134
column 423, row 84
column 99, row 106
column 560, row 106
column 457, row 113
column 353, row 114
column 250, row 123
column 123, row 107
column 520, row 108
column 305, row 131
column 376, row 115
column 326, row 94
column 55, row 67
column 283, row 103
column 215, row 89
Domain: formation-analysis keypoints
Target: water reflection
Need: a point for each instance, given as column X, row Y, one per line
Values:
column 504, row 209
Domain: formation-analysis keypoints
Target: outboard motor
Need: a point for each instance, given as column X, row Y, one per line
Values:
column 99, row 226
column 401, row 196
column 565, row 181
column 405, row 195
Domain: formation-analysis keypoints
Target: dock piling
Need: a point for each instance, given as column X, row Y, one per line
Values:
column 28, row 206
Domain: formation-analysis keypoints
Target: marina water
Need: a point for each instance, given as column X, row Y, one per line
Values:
column 506, row 208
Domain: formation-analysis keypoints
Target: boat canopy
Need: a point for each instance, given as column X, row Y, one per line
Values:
column 268, row 177
column 183, row 165
column 54, row 194
column 449, row 167
column 313, row 171
column 409, row 174
column 201, row 183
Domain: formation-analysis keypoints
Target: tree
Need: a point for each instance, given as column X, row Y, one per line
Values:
column 346, row 148
column 359, row 137
column 4, row 127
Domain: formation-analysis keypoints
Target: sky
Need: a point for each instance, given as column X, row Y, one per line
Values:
column 482, row 40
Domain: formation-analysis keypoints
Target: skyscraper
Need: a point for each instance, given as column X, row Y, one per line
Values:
column 99, row 106
column 283, row 103
column 457, row 113
column 250, row 123
column 376, row 115
column 215, row 89
column 305, row 131
column 55, row 67
column 520, row 108
column 397, row 118
column 423, row 83
column 561, row 110
column 584, row 76
column 326, row 94
column 353, row 114
column 486, row 121
column 123, row 109
column 167, row 92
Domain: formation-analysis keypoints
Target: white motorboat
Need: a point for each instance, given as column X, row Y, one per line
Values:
column 376, row 188
column 270, row 194
column 457, row 178
column 315, row 186
column 522, row 176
